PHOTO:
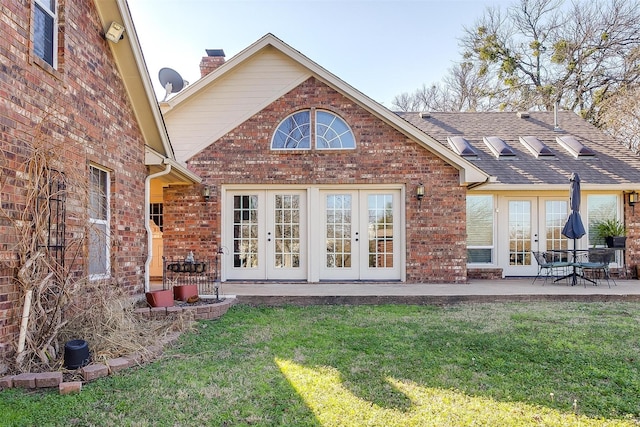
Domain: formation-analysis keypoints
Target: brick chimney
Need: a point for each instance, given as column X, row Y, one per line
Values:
column 214, row 59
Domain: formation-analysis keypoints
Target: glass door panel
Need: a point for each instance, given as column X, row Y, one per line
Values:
column 381, row 246
column 519, row 232
column 340, row 252
column 286, row 235
column 245, row 231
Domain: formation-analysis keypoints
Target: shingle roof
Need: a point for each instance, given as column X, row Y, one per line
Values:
column 612, row 164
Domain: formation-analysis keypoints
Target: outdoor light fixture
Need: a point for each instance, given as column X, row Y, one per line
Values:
column 115, row 32
column 420, row 192
column 206, row 193
column 633, row 198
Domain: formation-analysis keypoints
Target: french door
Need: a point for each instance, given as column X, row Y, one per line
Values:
column 312, row 234
column 361, row 235
column 526, row 224
column 266, row 235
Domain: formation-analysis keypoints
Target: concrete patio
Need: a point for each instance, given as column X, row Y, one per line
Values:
column 406, row 293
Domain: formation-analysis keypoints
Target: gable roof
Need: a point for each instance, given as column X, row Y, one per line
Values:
column 216, row 115
column 609, row 166
column 133, row 70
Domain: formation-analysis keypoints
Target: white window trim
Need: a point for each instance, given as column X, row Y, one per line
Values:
column 105, row 222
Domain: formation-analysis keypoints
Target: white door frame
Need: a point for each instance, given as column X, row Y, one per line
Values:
column 314, row 229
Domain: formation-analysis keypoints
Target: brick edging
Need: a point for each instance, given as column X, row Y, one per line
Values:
column 98, row 370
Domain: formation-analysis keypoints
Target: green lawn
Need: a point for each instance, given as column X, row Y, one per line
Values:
column 543, row 364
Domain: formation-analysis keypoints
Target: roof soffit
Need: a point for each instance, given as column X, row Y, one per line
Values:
column 130, row 62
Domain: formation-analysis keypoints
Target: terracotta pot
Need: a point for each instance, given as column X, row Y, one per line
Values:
column 163, row 298
column 183, row 292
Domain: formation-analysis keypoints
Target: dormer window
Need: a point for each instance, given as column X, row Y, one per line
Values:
column 331, row 132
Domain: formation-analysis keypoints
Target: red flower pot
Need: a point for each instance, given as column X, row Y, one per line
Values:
column 183, row 292
column 162, row 298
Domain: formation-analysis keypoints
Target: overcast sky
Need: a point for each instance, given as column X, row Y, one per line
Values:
column 380, row 47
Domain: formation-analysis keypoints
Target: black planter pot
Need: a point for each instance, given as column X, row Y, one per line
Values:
column 616, row 241
column 76, row 354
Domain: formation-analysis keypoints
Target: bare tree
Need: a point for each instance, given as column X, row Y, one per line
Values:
column 620, row 117
column 537, row 53
column 546, row 51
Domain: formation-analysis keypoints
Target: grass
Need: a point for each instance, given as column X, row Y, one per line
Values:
column 552, row 364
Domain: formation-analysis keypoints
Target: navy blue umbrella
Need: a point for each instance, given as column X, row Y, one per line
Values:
column 574, row 229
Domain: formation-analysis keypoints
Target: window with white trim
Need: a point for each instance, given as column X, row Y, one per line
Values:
column 45, row 30
column 331, row 132
column 600, row 207
column 480, row 241
column 99, row 220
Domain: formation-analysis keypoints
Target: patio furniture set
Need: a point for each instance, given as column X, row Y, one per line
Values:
column 576, row 265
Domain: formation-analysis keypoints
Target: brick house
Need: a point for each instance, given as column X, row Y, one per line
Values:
column 310, row 180
column 88, row 101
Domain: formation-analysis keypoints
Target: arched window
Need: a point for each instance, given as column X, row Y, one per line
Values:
column 331, row 132
column 293, row 133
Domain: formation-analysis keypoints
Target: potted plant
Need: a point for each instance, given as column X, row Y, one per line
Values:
column 612, row 232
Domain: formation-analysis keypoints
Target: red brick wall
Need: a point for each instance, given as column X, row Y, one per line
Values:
column 81, row 111
column 435, row 229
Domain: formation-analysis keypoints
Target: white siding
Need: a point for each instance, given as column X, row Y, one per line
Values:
column 230, row 100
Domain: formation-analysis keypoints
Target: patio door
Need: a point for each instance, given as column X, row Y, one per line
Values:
column 267, row 236
column 312, row 234
column 526, row 224
column 361, row 235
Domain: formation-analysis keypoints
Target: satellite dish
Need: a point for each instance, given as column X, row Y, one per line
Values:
column 171, row 81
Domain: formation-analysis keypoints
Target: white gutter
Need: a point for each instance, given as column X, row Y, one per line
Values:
column 147, row 225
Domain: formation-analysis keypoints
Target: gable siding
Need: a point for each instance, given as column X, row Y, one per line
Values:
column 81, row 112
column 435, row 229
column 231, row 99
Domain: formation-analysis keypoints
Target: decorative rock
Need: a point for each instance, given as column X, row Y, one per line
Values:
column 70, row 387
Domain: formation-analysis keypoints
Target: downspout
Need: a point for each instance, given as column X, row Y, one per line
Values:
column 147, row 225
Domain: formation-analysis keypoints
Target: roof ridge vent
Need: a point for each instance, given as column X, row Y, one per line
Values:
column 425, row 115
column 498, row 147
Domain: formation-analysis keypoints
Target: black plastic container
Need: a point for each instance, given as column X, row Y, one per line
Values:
column 76, row 354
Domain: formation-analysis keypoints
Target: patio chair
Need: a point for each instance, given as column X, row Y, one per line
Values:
column 547, row 262
column 597, row 263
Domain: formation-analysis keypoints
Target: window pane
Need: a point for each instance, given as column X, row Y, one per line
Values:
column 98, row 194
column 600, row 207
column 380, row 207
column 43, row 33
column 332, row 132
column 98, row 255
column 294, row 132
column 480, row 229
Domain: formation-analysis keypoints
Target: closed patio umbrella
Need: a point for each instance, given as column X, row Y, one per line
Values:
column 574, row 229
